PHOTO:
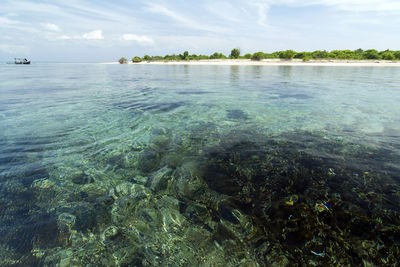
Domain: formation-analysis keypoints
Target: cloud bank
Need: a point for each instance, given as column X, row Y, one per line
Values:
column 141, row 39
column 93, row 35
column 50, row 27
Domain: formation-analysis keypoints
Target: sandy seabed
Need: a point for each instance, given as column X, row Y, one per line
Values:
column 273, row 62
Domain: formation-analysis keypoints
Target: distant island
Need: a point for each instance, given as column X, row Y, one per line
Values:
column 288, row 55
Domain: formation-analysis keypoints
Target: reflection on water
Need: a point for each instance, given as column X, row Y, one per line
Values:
column 285, row 71
column 234, row 75
column 133, row 165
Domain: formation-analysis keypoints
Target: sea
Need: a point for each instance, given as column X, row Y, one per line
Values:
column 196, row 165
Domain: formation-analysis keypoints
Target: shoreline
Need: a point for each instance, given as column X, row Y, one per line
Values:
column 272, row 62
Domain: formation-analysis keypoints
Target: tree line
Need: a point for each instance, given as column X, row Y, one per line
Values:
column 359, row 54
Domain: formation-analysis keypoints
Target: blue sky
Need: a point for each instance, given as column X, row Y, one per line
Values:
column 97, row 31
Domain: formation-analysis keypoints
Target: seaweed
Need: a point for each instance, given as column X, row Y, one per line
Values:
column 236, row 114
column 316, row 207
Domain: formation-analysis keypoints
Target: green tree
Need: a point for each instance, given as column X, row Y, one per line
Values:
column 258, row 56
column 122, row 60
column 235, row 53
column 146, row 57
column 396, row 54
column 388, row 55
column 303, row 55
column 288, row 54
column 318, row 54
column 272, row 55
column 136, row 60
column 217, row 55
column 358, row 54
column 371, row 54
column 202, row 57
column 248, row 56
column 342, row 54
column 185, row 55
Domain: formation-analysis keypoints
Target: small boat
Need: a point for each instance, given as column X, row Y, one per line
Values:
column 21, row 61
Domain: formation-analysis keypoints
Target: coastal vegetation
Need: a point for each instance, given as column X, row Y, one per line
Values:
column 235, row 53
column 257, row 56
column 136, row 59
column 359, row 54
column 123, row 60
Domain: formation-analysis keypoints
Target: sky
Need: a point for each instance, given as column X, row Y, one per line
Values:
column 103, row 30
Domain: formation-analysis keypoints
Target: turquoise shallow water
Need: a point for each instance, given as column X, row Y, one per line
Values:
column 130, row 165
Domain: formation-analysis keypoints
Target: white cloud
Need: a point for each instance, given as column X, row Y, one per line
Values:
column 63, row 37
column 262, row 7
column 347, row 5
column 224, row 10
column 185, row 21
column 93, row 35
column 50, row 27
column 4, row 21
column 17, row 26
column 141, row 39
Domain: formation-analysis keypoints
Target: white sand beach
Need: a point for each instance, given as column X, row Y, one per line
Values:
column 273, row 62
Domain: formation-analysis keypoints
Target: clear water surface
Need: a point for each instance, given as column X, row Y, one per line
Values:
column 180, row 165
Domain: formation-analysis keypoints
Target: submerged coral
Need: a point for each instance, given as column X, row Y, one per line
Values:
column 237, row 198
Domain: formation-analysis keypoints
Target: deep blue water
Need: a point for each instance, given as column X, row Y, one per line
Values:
column 131, row 165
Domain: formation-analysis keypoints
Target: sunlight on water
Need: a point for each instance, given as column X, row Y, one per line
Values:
column 135, row 165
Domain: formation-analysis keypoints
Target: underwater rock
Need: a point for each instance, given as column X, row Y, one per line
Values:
column 278, row 261
column 159, row 180
column 126, row 206
column 168, row 202
column 43, row 184
column 116, row 159
column 174, row 160
column 134, row 191
column 138, row 179
column 39, row 231
column 140, row 192
column 86, row 218
column 189, row 187
column 32, row 171
column 225, row 212
column 66, row 219
column 160, row 138
column 109, row 233
column 120, row 190
column 149, row 160
column 236, row 114
column 188, row 183
column 81, row 178
column 172, row 220
column 238, row 223
column 196, row 212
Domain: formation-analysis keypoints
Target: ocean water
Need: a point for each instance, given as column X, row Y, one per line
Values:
column 182, row 165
